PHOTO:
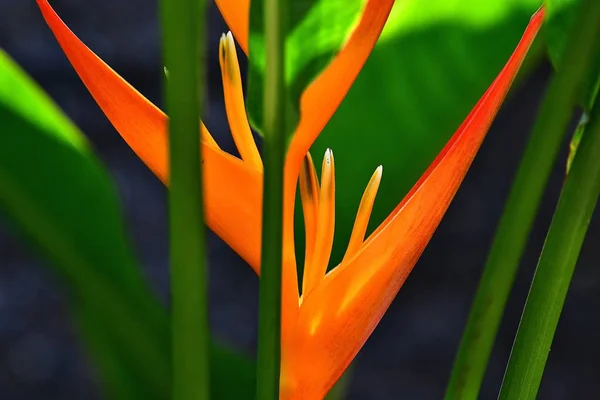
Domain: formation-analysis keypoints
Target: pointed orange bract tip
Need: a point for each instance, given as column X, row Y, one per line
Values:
column 339, row 315
column 233, row 191
column 141, row 124
column 236, row 14
column 324, row 95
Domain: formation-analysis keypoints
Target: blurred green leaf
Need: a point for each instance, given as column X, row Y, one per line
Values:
column 54, row 189
column 118, row 381
column 556, row 265
column 432, row 63
column 56, row 192
column 513, row 231
column 561, row 16
column 233, row 376
column 316, row 31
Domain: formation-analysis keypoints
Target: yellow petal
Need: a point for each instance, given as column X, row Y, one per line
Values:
column 353, row 297
column 309, row 193
column 363, row 214
column 234, row 103
column 314, row 270
column 233, row 191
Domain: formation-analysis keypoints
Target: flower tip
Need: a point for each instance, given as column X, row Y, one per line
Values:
column 373, row 184
column 227, row 55
column 226, row 41
column 540, row 13
column 375, row 180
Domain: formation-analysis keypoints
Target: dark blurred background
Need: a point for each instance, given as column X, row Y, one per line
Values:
column 409, row 355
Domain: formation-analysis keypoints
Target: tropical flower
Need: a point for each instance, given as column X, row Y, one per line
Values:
column 325, row 325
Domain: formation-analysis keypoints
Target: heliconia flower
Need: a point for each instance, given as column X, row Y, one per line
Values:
column 325, row 325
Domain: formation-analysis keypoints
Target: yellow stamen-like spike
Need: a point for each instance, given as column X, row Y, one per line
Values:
column 364, row 213
column 234, row 102
column 309, row 194
column 315, row 271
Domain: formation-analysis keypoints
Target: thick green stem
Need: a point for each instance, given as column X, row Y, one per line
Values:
column 183, row 47
column 555, row 268
column 269, row 327
column 521, row 209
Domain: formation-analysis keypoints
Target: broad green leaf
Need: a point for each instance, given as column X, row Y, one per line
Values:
column 556, row 265
column 315, row 33
column 432, row 63
column 54, row 190
column 118, row 381
column 232, row 376
column 520, row 210
column 561, row 17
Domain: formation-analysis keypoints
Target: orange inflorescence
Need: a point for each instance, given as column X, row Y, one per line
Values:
column 325, row 325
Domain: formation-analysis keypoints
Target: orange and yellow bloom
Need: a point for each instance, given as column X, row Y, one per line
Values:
column 326, row 323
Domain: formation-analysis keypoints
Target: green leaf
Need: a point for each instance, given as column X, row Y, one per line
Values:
column 561, row 17
column 315, row 33
column 555, row 112
column 118, row 381
column 54, row 190
column 556, row 265
column 429, row 68
column 233, row 375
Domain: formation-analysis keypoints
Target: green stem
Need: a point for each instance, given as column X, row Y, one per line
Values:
column 183, row 41
column 521, row 209
column 269, row 327
column 555, row 268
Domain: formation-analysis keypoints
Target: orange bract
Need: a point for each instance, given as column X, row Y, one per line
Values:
column 338, row 316
column 143, row 126
column 324, row 327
